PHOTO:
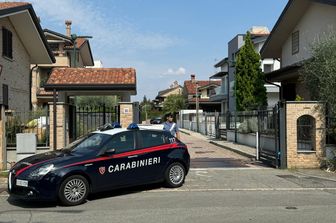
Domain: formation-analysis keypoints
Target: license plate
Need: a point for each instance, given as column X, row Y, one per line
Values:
column 22, row 183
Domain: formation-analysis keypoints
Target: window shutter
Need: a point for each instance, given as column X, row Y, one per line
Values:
column 5, row 95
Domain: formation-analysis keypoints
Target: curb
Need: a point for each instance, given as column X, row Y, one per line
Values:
column 234, row 150
column 187, row 133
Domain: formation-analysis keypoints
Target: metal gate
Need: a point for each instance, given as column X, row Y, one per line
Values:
column 269, row 136
column 87, row 119
column 27, row 122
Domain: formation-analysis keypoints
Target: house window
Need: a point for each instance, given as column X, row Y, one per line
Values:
column 268, row 68
column 5, row 95
column 295, row 42
column 7, row 43
column 305, row 133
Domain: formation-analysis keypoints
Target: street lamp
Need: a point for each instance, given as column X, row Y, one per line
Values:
column 74, row 37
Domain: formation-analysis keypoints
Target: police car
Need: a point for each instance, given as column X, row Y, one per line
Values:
column 109, row 158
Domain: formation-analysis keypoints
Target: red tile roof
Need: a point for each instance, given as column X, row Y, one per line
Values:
column 190, row 86
column 79, row 43
column 95, row 76
column 5, row 5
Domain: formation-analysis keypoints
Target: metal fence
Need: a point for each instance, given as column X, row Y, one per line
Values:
column 252, row 121
column 88, row 119
column 216, row 124
column 212, row 124
column 28, row 122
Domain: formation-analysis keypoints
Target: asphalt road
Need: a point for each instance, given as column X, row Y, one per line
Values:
column 209, row 195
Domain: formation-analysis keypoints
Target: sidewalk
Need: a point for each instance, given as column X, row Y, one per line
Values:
column 246, row 151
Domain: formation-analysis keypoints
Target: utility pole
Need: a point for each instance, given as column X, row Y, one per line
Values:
column 197, row 108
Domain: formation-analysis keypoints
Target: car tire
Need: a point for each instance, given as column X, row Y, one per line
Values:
column 175, row 175
column 73, row 190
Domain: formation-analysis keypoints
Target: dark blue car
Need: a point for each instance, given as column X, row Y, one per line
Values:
column 103, row 160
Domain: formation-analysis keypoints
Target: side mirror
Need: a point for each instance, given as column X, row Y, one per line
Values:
column 108, row 152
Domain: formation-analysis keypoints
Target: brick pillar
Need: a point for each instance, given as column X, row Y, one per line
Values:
column 3, row 152
column 304, row 159
column 126, row 113
column 62, row 125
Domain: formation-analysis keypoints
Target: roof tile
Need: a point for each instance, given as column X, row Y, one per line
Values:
column 5, row 5
column 191, row 86
column 85, row 76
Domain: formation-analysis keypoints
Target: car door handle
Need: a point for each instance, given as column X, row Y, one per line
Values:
column 133, row 156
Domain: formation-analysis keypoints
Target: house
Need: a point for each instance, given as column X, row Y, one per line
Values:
column 200, row 89
column 63, row 50
column 299, row 25
column 226, row 71
column 23, row 44
column 174, row 89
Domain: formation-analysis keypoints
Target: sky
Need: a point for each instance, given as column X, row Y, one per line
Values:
column 163, row 40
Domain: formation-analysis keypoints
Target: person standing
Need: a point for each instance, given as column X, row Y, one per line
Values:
column 170, row 126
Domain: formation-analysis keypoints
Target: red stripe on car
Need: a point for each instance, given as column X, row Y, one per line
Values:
column 131, row 153
column 27, row 167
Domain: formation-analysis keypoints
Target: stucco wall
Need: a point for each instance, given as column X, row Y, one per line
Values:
column 319, row 20
column 15, row 72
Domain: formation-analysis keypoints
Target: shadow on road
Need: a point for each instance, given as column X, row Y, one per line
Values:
column 38, row 204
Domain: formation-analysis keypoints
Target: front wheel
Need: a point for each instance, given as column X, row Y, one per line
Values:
column 73, row 190
column 175, row 175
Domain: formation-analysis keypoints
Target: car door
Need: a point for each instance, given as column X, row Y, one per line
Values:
column 111, row 170
column 153, row 149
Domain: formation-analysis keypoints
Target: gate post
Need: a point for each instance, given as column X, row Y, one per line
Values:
column 3, row 149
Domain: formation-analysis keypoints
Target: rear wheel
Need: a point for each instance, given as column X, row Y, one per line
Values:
column 175, row 175
column 73, row 190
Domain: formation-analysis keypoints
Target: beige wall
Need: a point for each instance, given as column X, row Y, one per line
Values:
column 318, row 21
column 307, row 159
column 62, row 125
column 15, row 72
column 126, row 113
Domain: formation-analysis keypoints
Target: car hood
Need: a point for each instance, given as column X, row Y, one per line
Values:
column 58, row 158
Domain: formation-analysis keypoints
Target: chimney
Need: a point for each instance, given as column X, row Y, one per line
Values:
column 68, row 27
column 193, row 78
column 38, row 19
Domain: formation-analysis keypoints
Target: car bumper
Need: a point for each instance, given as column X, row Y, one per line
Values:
column 36, row 190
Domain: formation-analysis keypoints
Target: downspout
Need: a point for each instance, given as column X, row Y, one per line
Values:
column 30, row 86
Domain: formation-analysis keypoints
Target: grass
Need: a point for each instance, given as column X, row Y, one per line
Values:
column 3, row 174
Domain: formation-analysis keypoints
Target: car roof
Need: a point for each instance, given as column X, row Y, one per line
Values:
column 141, row 128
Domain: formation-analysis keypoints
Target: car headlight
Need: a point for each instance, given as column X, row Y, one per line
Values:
column 42, row 171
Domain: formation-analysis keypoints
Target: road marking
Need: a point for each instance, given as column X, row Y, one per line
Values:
column 240, row 189
column 230, row 168
column 202, row 173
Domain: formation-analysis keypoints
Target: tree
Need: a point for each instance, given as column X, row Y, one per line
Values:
column 319, row 73
column 96, row 101
column 174, row 103
column 250, row 91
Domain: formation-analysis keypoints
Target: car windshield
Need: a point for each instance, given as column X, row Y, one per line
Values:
column 92, row 142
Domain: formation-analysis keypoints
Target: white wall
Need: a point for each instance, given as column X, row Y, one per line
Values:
column 319, row 20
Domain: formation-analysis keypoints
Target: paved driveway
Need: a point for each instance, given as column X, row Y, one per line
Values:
column 207, row 155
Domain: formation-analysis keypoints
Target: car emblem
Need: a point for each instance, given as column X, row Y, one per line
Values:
column 102, row 170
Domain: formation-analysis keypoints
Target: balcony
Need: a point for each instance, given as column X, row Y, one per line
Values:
column 218, row 94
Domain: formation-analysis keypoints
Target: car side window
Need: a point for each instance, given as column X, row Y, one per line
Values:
column 122, row 142
column 150, row 139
